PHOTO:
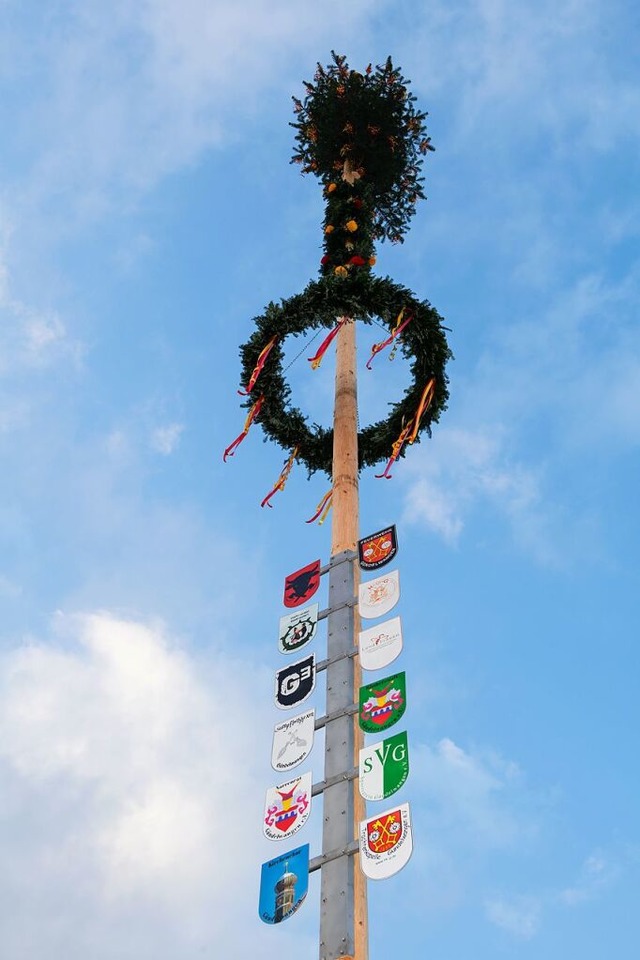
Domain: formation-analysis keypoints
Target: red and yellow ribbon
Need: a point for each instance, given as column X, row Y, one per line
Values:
column 253, row 413
column 409, row 432
column 322, row 510
column 282, row 479
column 397, row 330
column 324, row 346
column 257, row 370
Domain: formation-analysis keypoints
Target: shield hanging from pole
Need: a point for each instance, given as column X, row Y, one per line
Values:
column 386, row 842
column 380, row 645
column 377, row 597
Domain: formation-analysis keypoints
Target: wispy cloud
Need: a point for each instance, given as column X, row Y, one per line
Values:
column 519, row 916
column 523, row 915
column 165, row 439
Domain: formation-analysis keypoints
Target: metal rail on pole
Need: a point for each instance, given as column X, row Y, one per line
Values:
column 343, row 911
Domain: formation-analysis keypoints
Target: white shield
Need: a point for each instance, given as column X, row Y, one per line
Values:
column 293, row 740
column 297, row 629
column 379, row 646
column 383, row 767
column 377, row 597
column 385, row 842
column 287, row 807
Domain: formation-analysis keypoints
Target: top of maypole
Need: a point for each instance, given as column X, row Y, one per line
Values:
column 363, row 129
column 363, row 137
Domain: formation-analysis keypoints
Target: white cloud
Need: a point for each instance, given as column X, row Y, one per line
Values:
column 474, row 798
column 598, row 872
column 519, row 916
column 165, row 439
column 129, row 784
column 135, row 91
column 460, row 468
column 522, row 915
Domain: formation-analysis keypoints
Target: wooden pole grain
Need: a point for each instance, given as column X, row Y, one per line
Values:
column 344, row 536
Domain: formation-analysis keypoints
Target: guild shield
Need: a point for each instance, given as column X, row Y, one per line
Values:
column 284, row 882
column 301, row 585
column 386, row 842
column 381, row 704
column 293, row 740
column 384, row 767
column 297, row 629
column 295, row 682
column 379, row 646
column 377, row 597
column 378, row 549
column 287, row 808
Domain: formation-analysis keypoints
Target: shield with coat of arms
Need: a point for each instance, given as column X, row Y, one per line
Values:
column 378, row 549
column 377, row 597
column 381, row 704
column 301, row 585
column 287, row 807
column 297, row 629
column 386, row 842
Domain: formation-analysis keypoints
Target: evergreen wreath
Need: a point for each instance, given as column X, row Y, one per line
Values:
column 364, row 139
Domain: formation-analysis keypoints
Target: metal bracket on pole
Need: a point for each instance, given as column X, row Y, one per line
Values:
column 329, row 610
column 336, row 715
column 347, row 851
column 323, row 664
column 322, row 785
column 338, row 559
column 337, row 900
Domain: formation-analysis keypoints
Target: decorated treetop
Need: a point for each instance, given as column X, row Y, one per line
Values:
column 363, row 128
column 362, row 136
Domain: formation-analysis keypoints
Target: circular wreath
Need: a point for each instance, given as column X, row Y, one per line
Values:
column 361, row 297
column 362, row 136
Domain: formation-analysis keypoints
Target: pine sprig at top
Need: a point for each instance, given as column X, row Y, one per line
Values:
column 364, row 128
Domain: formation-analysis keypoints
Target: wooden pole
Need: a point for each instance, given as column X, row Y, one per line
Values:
column 344, row 536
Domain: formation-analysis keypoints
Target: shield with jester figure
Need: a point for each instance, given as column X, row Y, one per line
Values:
column 287, row 807
column 382, row 703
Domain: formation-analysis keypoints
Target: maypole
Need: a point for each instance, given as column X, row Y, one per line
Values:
column 362, row 136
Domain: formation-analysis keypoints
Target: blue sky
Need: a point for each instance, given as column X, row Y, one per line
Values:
column 148, row 212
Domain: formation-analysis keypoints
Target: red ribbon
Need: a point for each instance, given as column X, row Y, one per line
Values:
column 282, row 479
column 397, row 330
column 257, row 370
column 409, row 432
column 253, row 413
column 324, row 346
column 323, row 508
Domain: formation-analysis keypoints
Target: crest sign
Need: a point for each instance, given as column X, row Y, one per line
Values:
column 284, row 882
column 301, row 585
column 377, row 597
column 287, row 808
column 293, row 740
column 379, row 646
column 297, row 629
column 384, row 767
column 382, row 703
column 295, row 682
column 378, row 549
column 386, row 843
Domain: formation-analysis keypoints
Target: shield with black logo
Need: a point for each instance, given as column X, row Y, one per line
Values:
column 295, row 683
column 301, row 585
